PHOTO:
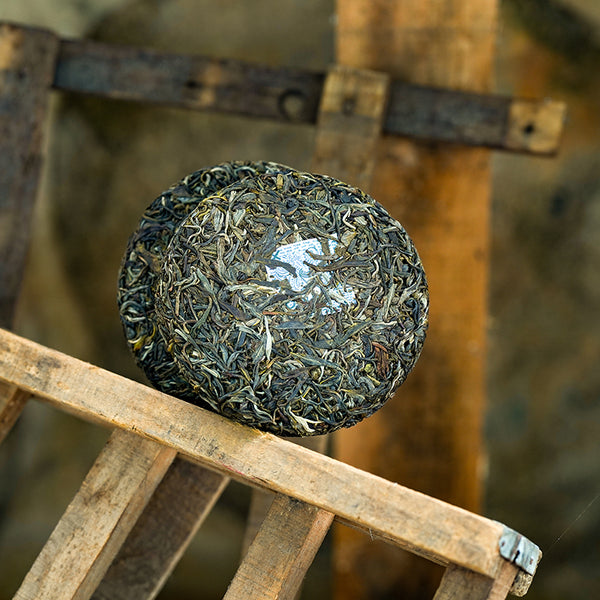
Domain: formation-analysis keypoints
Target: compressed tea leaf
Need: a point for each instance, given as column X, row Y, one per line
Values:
column 288, row 301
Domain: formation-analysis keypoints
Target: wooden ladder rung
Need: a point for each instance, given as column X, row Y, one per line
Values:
column 12, row 402
column 281, row 552
column 131, row 466
column 181, row 502
column 98, row 519
column 462, row 584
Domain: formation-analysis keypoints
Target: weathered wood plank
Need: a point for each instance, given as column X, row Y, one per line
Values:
column 460, row 584
column 27, row 65
column 349, row 125
column 12, row 402
column 536, row 126
column 173, row 515
column 486, row 120
column 281, row 552
column 285, row 94
column 194, row 82
column 96, row 522
column 409, row 519
column 261, row 500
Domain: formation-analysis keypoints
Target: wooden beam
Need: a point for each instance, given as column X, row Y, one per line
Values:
column 186, row 81
column 349, row 125
column 282, row 551
column 293, row 95
column 12, row 403
column 261, row 500
column 458, row 583
column 484, row 120
column 97, row 521
column 158, row 540
column 424, row 525
column 27, row 65
column 429, row 436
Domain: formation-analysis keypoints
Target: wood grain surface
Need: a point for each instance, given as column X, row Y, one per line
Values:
column 282, row 551
column 27, row 65
column 98, row 519
column 429, row 436
column 161, row 535
column 382, row 509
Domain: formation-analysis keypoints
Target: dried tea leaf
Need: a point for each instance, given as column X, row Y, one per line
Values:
column 287, row 301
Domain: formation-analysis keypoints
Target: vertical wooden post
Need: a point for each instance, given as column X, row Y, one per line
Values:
column 27, row 62
column 179, row 505
column 282, row 551
column 12, row 402
column 98, row 519
column 429, row 436
column 466, row 585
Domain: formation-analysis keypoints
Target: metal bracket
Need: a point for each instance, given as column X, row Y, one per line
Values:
column 519, row 550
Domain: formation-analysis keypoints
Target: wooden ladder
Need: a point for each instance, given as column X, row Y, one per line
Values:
column 167, row 462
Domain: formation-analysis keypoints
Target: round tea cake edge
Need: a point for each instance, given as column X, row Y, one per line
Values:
column 279, row 407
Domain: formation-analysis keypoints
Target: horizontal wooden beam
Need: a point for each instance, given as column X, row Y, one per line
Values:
column 281, row 553
column 186, row 81
column 431, row 528
column 293, row 95
column 27, row 63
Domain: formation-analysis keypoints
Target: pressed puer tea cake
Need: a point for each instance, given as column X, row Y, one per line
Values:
column 287, row 301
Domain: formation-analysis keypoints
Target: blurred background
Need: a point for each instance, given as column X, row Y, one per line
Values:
column 101, row 171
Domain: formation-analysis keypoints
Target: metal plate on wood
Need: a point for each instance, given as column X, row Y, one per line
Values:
column 519, row 550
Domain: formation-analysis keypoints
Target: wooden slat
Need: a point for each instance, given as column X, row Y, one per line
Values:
column 27, row 64
column 414, row 521
column 176, row 510
column 285, row 94
column 98, row 519
column 12, row 402
column 261, row 500
column 349, row 125
column 458, row 583
column 193, row 82
column 281, row 553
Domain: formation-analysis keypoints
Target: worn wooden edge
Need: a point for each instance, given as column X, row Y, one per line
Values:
column 521, row 583
column 261, row 500
column 419, row 523
column 464, row 584
column 282, row 551
column 536, row 126
column 175, row 512
column 27, row 66
column 12, row 403
column 289, row 94
column 98, row 519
